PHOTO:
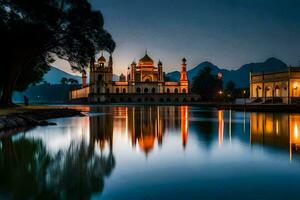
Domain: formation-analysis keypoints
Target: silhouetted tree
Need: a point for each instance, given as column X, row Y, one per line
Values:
column 206, row 84
column 33, row 32
column 72, row 81
column 64, row 81
column 230, row 89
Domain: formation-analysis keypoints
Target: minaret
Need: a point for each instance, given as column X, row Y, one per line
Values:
column 160, row 72
column 84, row 79
column 184, row 83
column 92, row 71
column 110, row 67
column 183, row 76
column 110, row 63
column 132, row 73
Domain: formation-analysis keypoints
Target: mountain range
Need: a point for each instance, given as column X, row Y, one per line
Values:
column 54, row 76
column 239, row 76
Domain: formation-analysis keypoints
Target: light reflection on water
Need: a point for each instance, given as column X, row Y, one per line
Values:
column 151, row 152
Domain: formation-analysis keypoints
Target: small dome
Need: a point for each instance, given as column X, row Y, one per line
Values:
column 184, row 60
column 133, row 63
column 159, row 63
column 122, row 78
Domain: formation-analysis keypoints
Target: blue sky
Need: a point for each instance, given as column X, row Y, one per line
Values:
column 228, row 33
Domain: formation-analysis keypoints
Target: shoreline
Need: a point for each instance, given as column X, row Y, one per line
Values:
column 35, row 117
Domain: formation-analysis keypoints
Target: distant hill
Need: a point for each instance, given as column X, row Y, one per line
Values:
column 239, row 76
column 55, row 75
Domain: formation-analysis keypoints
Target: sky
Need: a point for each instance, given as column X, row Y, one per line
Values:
column 228, row 33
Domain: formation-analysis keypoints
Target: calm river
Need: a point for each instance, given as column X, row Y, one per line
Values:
column 155, row 152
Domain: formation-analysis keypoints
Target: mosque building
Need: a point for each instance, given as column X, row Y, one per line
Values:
column 144, row 82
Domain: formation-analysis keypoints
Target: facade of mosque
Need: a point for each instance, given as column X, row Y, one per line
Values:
column 144, row 82
column 276, row 87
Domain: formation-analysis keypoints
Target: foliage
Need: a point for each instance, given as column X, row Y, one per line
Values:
column 206, row 84
column 33, row 31
column 28, row 171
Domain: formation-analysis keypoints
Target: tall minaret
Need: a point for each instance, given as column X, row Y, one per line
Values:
column 92, row 71
column 160, row 72
column 183, row 76
column 84, row 79
column 110, row 67
column 132, row 73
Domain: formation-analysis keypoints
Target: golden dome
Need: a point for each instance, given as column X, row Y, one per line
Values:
column 146, row 61
column 102, row 59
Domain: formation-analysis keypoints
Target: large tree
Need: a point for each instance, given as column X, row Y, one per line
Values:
column 207, row 84
column 34, row 32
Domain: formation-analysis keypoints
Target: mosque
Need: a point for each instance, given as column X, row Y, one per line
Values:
column 144, row 82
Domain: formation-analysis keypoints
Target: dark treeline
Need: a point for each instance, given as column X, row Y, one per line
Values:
column 34, row 33
column 211, row 87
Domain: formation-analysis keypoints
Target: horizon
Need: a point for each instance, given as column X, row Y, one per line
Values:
column 188, row 67
column 228, row 34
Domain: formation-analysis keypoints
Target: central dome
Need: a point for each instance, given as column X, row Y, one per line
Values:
column 146, row 61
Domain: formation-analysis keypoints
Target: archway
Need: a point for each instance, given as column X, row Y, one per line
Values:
column 183, row 90
column 176, row 90
column 124, row 90
column 146, row 90
column 138, row 90
column 153, row 90
column 277, row 91
column 168, row 90
column 117, row 90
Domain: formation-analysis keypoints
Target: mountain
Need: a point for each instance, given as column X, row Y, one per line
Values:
column 239, row 76
column 54, row 75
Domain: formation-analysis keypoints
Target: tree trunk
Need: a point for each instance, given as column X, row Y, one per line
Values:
column 6, row 98
column 8, row 87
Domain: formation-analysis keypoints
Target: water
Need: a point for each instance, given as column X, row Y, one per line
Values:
column 155, row 153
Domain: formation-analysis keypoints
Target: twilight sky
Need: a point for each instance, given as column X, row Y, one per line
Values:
column 228, row 33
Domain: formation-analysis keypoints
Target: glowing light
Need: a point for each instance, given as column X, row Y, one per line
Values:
column 296, row 132
column 220, row 126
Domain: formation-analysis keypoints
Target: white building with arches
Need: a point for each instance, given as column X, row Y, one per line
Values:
column 276, row 87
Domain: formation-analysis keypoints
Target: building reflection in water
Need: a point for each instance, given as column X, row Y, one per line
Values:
column 145, row 126
column 277, row 130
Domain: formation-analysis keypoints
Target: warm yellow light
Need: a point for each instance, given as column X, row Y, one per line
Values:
column 220, row 92
column 295, row 86
column 296, row 133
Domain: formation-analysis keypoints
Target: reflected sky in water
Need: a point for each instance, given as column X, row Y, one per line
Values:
column 171, row 152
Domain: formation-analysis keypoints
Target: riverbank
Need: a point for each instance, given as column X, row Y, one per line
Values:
column 290, row 108
column 26, row 117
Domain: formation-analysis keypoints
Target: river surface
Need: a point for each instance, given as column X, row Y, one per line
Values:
column 155, row 152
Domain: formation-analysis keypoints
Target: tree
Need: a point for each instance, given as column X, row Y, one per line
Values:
column 72, row 81
column 230, row 89
column 206, row 84
column 64, row 81
column 35, row 32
